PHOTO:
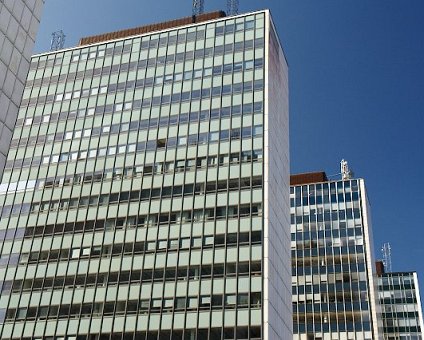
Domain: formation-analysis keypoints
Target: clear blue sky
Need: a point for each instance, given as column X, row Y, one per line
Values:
column 356, row 92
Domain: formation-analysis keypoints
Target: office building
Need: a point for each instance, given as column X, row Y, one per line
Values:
column 19, row 21
column 400, row 305
column 334, row 288
column 145, row 194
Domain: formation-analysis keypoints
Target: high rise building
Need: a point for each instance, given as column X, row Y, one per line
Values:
column 401, row 307
column 333, row 276
column 19, row 21
column 145, row 194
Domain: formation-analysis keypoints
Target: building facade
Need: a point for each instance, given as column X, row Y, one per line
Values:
column 19, row 20
column 139, row 200
column 334, row 289
column 401, row 306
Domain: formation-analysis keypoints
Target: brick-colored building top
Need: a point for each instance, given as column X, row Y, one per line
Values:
column 151, row 28
column 310, row 177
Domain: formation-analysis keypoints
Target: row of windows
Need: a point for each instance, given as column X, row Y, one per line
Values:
column 340, row 306
column 103, row 225
column 398, row 294
column 147, row 43
column 331, row 296
column 144, row 124
column 195, row 215
column 205, row 271
column 395, row 281
column 334, row 318
column 327, row 217
column 336, row 283
column 337, row 268
column 170, row 78
column 340, row 230
column 402, row 308
column 395, row 287
column 348, row 282
column 333, row 198
column 155, row 246
column 320, row 189
column 327, row 260
column 343, row 304
column 144, row 62
column 328, row 242
column 186, row 216
column 393, row 300
column 354, row 250
column 163, row 41
column 166, row 305
column 151, row 145
column 342, row 326
column 400, row 315
column 215, row 71
column 148, row 194
column 239, row 333
column 134, row 196
column 189, row 164
column 408, row 330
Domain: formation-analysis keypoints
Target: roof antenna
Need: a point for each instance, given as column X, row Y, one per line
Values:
column 58, row 40
column 344, row 170
column 386, row 250
column 232, row 7
column 198, row 7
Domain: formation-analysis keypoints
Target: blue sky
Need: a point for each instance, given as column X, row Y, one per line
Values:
column 356, row 92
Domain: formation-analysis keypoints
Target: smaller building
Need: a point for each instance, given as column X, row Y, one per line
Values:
column 400, row 305
column 333, row 281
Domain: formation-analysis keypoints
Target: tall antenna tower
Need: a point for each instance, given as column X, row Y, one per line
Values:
column 58, row 40
column 232, row 7
column 386, row 251
column 198, row 7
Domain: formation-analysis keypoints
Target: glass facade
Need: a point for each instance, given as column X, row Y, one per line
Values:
column 332, row 279
column 401, row 306
column 133, row 203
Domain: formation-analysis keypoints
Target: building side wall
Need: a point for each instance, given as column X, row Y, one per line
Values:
column 19, row 20
column 377, row 324
column 420, row 308
column 277, row 272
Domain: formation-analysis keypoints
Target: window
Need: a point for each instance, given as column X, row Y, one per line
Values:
column 75, row 253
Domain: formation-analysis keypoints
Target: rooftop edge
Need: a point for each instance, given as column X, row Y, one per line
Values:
column 94, row 39
column 308, row 178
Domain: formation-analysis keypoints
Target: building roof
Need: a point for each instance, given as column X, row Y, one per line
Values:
column 151, row 28
column 309, row 177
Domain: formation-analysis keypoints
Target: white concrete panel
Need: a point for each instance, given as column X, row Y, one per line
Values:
column 277, row 257
column 19, row 20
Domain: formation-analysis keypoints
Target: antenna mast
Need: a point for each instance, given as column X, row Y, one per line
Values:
column 232, row 7
column 58, row 40
column 198, row 7
column 386, row 250
column 344, row 170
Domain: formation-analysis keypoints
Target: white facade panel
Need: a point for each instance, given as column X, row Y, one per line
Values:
column 277, row 265
column 19, row 20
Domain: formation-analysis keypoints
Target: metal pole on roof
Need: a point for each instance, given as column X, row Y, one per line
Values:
column 232, row 7
column 386, row 251
column 58, row 40
column 198, row 7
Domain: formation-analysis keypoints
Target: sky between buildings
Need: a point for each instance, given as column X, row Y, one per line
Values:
column 356, row 92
